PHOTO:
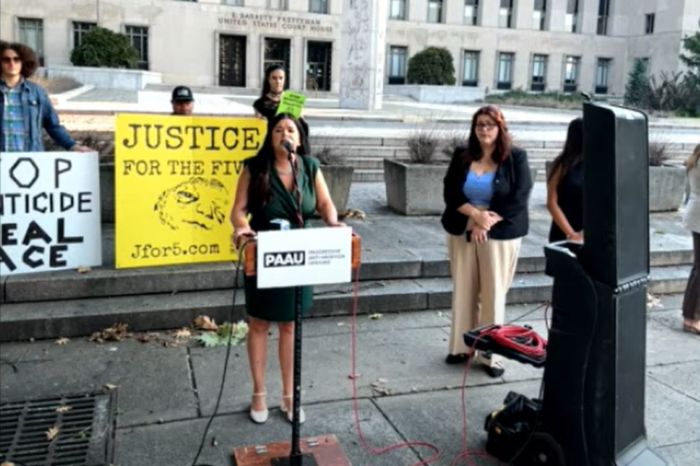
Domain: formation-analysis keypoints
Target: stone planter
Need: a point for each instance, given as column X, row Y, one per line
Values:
column 338, row 178
column 414, row 189
column 666, row 188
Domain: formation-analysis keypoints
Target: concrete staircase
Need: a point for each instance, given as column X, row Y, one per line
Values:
column 404, row 269
column 366, row 153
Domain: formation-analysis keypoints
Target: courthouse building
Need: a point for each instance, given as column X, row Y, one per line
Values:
column 534, row 45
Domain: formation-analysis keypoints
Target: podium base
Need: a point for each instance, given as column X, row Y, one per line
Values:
column 323, row 450
column 304, row 460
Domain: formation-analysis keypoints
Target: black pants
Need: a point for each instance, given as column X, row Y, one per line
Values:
column 691, row 301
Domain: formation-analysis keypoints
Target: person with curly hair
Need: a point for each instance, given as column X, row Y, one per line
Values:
column 25, row 108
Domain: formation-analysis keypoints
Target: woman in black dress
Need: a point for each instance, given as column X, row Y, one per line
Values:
column 273, row 86
column 565, row 188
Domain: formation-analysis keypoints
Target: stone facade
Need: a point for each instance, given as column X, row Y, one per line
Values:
column 229, row 42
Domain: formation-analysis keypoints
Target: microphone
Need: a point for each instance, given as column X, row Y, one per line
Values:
column 287, row 144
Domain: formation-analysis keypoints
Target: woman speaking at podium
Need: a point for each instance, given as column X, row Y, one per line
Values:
column 486, row 192
column 268, row 191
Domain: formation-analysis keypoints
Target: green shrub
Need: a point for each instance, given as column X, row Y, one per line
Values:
column 104, row 48
column 433, row 65
column 637, row 90
column 537, row 99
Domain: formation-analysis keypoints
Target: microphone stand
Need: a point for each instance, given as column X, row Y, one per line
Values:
column 296, row 458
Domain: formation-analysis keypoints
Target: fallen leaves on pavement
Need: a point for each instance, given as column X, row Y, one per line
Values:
column 653, row 301
column 63, row 409
column 237, row 333
column 117, row 332
column 375, row 316
column 52, row 433
column 379, row 387
column 111, row 386
column 62, row 341
column 183, row 333
column 205, row 323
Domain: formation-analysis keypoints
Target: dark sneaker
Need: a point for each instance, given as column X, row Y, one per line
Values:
column 494, row 371
column 457, row 358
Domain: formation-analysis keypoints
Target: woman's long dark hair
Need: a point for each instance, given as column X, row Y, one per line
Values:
column 268, row 72
column 260, row 166
column 572, row 152
column 504, row 143
column 30, row 62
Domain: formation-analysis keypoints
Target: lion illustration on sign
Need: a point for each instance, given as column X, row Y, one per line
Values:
column 197, row 203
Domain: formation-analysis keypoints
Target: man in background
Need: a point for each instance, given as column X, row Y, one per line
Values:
column 182, row 101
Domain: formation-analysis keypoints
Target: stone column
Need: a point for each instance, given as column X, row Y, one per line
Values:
column 557, row 14
column 489, row 13
column 522, row 11
column 363, row 44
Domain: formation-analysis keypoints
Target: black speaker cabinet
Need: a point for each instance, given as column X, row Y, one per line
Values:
column 616, row 194
column 594, row 401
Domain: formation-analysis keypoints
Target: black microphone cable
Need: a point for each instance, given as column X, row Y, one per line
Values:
column 228, row 354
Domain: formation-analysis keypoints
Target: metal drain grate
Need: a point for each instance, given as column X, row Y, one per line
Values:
column 84, row 435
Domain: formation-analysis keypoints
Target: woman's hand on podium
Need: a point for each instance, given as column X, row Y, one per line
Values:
column 241, row 234
column 337, row 224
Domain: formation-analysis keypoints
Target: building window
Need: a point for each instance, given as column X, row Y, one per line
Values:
column 471, row 68
column 539, row 73
column 649, row 27
column 505, row 14
column 318, row 65
column 505, row 70
column 571, row 19
column 397, row 9
column 572, row 66
column 31, row 33
column 471, row 12
column 601, row 75
column 603, row 14
column 232, row 2
column 539, row 15
column 397, row 65
column 79, row 31
column 277, row 52
column 277, row 4
column 435, row 11
column 232, row 66
column 138, row 37
column 318, row 6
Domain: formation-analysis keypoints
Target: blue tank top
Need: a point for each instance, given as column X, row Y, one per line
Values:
column 479, row 189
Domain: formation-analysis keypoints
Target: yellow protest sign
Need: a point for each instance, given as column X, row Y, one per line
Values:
column 292, row 103
column 175, row 180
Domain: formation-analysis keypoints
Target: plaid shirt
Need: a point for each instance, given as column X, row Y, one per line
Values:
column 15, row 134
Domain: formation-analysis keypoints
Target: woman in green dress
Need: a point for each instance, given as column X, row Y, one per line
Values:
column 266, row 191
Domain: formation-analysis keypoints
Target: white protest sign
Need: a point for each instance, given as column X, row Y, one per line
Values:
column 311, row 256
column 49, row 211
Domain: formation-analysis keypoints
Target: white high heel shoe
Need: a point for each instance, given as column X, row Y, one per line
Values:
column 259, row 417
column 289, row 413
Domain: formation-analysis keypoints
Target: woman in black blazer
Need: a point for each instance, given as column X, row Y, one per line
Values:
column 486, row 191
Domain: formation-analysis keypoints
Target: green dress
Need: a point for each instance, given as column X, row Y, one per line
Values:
column 277, row 304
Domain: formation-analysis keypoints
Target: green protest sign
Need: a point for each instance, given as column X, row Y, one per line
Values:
column 292, row 103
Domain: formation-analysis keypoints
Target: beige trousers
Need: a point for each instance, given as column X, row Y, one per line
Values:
column 481, row 276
